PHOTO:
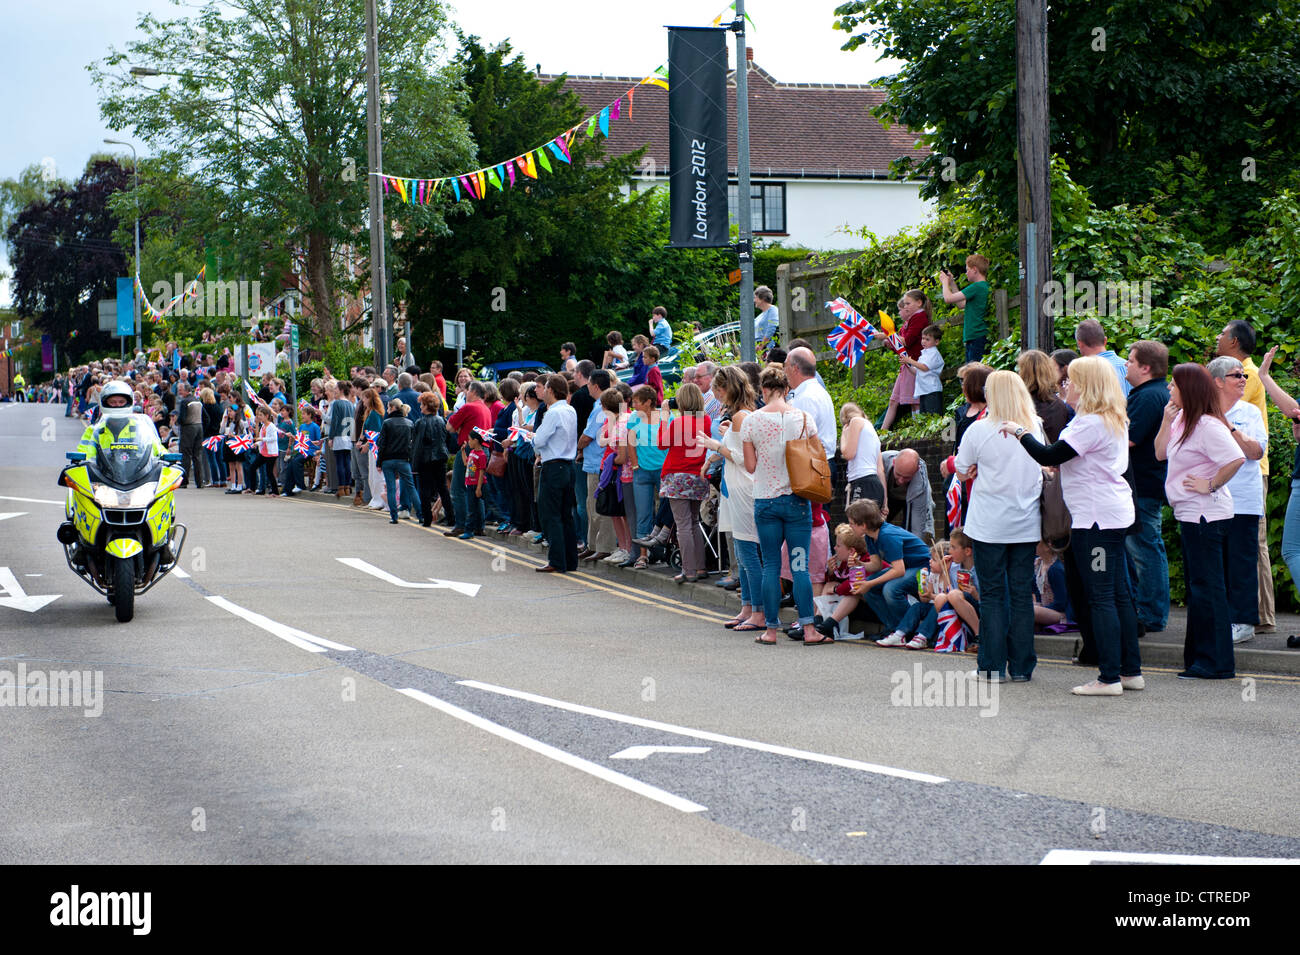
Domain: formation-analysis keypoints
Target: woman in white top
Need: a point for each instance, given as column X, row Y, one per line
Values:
column 781, row 516
column 736, row 506
column 1004, row 522
column 1092, row 454
column 860, row 446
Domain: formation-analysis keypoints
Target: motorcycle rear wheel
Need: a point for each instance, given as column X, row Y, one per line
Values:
column 123, row 589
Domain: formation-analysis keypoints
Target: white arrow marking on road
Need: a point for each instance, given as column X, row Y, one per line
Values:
column 469, row 590
column 299, row 638
column 16, row 598
column 641, row 752
column 31, row 500
column 5, row 517
column 559, row 755
column 1087, row 857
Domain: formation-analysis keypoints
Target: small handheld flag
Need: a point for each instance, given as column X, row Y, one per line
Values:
column 213, row 442
column 953, row 498
column 302, row 444
column 240, row 443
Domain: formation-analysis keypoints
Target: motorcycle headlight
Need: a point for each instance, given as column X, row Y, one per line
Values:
column 141, row 496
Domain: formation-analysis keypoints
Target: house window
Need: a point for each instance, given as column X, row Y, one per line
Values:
column 766, row 205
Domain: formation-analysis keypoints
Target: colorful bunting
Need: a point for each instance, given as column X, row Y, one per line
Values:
column 541, row 158
column 615, row 108
column 604, row 122
column 157, row 315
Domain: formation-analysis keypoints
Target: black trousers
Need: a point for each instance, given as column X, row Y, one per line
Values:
column 1207, row 648
column 431, row 480
column 1241, row 567
column 519, row 482
column 555, row 504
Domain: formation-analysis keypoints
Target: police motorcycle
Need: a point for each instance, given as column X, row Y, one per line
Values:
column 120, row 535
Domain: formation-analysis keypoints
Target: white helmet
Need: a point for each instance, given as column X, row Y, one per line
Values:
column 116, row 399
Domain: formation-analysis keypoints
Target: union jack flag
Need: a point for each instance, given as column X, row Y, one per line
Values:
column 851, row 336
column 302, row 444
column 519, row 434
column 305, row 405
column 213, row 442
column 240, row 443
column 953, row 497
column 373, row 437
column 952, row 632
column 486, row 435
column 252, row 395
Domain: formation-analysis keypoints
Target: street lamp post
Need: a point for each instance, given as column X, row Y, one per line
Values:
column 135, row 164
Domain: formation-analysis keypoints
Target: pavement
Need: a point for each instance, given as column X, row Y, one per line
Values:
column 322, row 686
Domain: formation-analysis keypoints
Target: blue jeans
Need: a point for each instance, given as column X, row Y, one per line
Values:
column 749, row 570
column 500, row 496
column 1005, row 575
column 1291, row 534
column 645, row 485
column 889, row 601
column 1106, row 612
column 580, row 495
column 975, row 349
column 458, row 502
column 400, row 470
column 921, row 618
column 785, row 520
column 216, row 466
column 1146, row 551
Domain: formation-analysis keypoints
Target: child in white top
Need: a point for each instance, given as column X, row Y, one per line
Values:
column 928, row 368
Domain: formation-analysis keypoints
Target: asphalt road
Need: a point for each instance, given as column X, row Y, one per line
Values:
column 282, row 703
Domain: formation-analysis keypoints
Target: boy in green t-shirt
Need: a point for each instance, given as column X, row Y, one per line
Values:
column 975, row 298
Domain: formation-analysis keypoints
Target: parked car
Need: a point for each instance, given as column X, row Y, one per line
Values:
column 706, row 344
column 496, row 370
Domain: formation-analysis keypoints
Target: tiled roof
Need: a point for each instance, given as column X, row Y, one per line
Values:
column 795, row 129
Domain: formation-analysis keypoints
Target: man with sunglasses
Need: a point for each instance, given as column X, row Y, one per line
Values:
column 1237, row 340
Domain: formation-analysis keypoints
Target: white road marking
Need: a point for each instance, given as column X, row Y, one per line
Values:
column 299, row 638
column 180, row 573
column 31, row 500
column 469, row 590
column 641, row 752
column 6, row 516
column 559, row 755
column 15, row 598
column 710, row 737
column 1088, row 857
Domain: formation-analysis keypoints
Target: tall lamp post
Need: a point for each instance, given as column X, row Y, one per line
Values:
column 135, row 164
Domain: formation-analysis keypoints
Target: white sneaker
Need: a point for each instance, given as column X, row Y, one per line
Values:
column 617, row 557
column 895, row 639
column 989, row 676
column 1241, row 632
column 403, row 514
column 377, row 506
column 1133, row 682
column 918, row 642
column 1097, row 688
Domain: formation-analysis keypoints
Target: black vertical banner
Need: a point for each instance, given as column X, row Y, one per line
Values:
column 697, row 137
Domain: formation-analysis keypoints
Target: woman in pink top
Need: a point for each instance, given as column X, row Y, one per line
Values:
column 1092, row 454
column 1202, row 455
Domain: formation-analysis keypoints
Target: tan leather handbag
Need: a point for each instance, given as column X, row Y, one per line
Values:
column 810, row 472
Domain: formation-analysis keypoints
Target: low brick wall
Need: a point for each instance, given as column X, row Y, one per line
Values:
column 933, row 452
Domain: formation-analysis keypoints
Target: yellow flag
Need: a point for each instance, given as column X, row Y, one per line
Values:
column 886, row 323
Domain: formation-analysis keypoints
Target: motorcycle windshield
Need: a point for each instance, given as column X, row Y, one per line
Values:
column 126, row 453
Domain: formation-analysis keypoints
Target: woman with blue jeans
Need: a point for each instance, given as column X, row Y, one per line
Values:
column 1092, row 454
column 395, row 442
column 780, row 515
column 736, row 504
column 647, row 459
column 1004, row 522
column 1291, row 528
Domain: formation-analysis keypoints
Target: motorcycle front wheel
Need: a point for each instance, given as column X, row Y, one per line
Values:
column 123, row 589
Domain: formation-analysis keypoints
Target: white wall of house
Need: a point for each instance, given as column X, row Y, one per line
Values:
column 819, row 210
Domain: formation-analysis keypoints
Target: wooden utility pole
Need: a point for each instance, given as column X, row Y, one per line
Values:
column 1033, row 167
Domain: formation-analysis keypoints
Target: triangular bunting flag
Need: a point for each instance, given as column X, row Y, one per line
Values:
column 541, row 158
column 401, row 188
column 530, row 167
column 481, row 181
column 469, row 186
column 501, row 176
column 510, row 168
column 604, row 122
column 384, row 181
column 629, row 103
column 591, row 126
column 616, row 108
column 561, row 150
column 492, row 178
column 456, row 185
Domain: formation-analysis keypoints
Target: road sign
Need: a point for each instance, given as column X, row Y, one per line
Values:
column 108, row 315
column 453, row 334
column 293, row 335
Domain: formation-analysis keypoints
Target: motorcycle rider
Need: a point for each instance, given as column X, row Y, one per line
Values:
column 118, row 423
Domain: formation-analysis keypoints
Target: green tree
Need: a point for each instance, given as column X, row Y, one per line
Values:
column 562, row 257
column 1133, row 84
column 263, row 101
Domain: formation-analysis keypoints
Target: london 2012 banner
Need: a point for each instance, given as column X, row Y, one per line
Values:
column 697, row 137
